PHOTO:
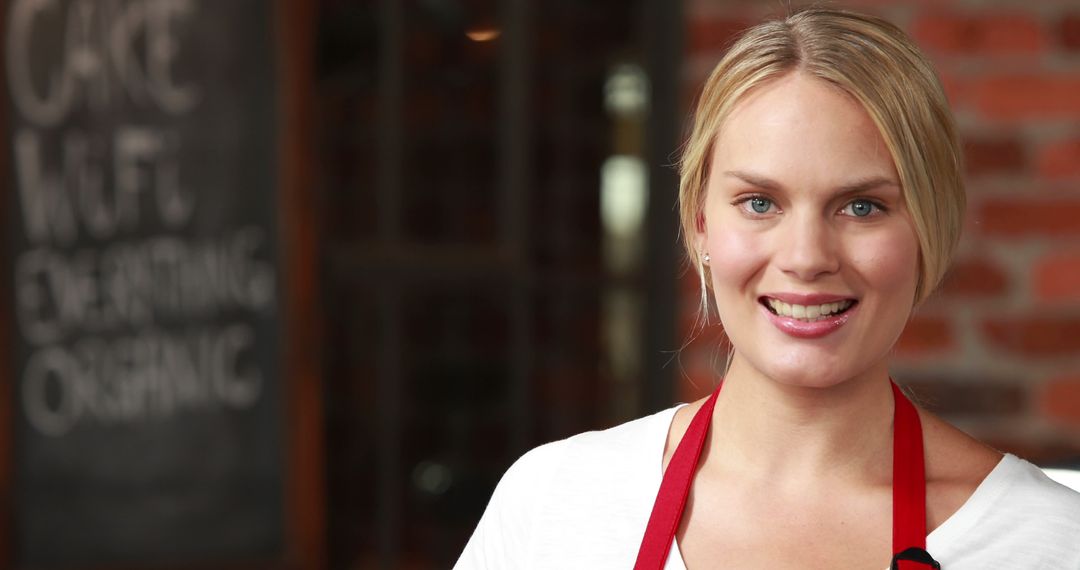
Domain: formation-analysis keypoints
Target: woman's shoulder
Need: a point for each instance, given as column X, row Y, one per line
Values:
column 986, row 506
column 1026, row 488
column 549, row 504
column 596, row 476
column 1018, row 517
column 639, row 441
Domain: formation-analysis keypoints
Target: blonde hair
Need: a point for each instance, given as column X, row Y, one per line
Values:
column 877, row 64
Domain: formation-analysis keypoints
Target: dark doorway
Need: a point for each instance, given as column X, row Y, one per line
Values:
column 500, row 255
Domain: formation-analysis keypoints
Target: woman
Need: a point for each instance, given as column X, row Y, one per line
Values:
column 821, row 200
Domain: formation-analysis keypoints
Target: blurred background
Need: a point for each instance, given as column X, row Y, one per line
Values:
column 290, row 284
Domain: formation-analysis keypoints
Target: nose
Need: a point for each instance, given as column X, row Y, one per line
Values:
column 808, row 248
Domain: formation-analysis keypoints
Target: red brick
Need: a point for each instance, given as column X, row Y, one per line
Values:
column 1038, row 451
column 1029, row 217
column 945, row 394
column 956, row 90
column 979, row 34
column 925, row 334
column 713, row 34
column 1035, row 335
column 1060, row 400
column 1056, row 277
column 1002, row 155
column 1060, row 159
column 974, row 278
column 1069, row 32
column 1026, row 96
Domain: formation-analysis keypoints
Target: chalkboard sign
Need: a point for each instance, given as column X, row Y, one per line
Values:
column 145, row 309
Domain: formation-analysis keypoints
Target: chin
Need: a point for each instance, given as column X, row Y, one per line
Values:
column 805, row 379
column 822, row 374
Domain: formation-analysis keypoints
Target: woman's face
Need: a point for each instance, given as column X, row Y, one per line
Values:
column 803, row 205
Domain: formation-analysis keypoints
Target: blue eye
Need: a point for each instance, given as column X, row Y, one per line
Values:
column 860, row 208
column 759, row 204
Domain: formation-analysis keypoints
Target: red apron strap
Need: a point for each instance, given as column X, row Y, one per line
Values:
column 674, row 488
column 909, row 487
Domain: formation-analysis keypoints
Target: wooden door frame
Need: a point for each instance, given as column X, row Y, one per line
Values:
column 7, row 378
column 302, row 324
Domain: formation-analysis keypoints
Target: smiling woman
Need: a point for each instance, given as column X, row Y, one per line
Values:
column 821, row 201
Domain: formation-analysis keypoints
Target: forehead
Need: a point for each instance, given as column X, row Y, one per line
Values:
column 800, row 129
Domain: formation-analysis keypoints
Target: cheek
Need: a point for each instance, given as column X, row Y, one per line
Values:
column 736, row 256
column 889, row 260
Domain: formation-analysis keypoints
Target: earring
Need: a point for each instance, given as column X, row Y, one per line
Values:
column 705, row 258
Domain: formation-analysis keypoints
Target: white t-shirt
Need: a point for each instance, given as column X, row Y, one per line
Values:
column 583, row 502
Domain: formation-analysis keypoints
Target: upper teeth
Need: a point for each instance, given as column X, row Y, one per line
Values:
column 808, row 311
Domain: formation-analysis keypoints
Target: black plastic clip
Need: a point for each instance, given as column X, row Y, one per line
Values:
column 914, row 554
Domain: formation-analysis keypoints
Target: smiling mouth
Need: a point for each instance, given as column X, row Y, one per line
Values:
column 807, row 313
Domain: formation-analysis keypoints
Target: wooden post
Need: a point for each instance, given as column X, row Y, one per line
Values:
column 305, row 517
column 7, row 378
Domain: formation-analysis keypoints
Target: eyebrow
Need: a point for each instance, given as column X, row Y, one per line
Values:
column 853, row 187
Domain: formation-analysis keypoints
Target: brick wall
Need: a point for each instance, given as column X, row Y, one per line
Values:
column 997, row 349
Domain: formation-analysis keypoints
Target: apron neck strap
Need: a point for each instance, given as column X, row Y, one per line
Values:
column 909, row 487
column 674, row 488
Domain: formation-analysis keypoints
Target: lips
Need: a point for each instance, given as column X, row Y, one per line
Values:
column 806, row 329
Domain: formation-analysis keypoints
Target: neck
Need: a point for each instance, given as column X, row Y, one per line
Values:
column 765, row 430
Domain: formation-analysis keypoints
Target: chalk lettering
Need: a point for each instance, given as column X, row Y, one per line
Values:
column 51, row 107
column 128, row 285
column 56, row 207
column 150, row 377
column 101, row 45
column 139, row 150
column 50, row 368
column 162, row 50
column 47, row 212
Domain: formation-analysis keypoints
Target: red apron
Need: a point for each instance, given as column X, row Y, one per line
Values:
column 909, row 490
